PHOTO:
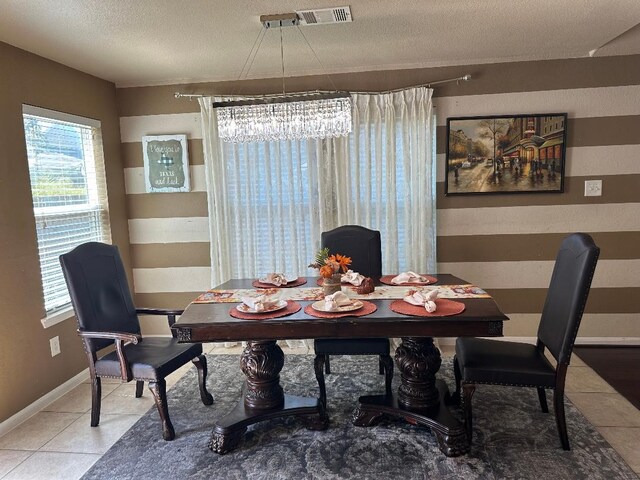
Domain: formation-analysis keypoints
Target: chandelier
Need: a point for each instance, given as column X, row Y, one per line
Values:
column 283, row 116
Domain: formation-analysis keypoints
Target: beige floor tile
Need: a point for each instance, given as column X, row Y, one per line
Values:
column 577, row 361
column 10, row 459
column 53, row 466
column 81, row 437
column 123, row 400
column 78, row 400
column 447, row 350
column 584, row 379
column 38, row 430
column 606, row 409
column 231, row 349
column 625, row 441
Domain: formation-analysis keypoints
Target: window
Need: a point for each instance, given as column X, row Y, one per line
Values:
column 68, row 187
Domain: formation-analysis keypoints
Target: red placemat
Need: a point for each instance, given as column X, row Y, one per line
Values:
column 367, row 308
column 296, row 283
column 386, row 279
column 292, row 307
column 444, row 308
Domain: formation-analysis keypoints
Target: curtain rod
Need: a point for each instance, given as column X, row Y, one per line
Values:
column 463, row 78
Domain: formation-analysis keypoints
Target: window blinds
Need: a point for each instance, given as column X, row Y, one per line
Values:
column 68, row 187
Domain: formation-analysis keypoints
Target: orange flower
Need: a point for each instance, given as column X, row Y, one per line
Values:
column 341, row 260
column 326, row 271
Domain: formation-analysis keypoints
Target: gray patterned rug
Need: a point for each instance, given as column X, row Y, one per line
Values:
column 512, row 437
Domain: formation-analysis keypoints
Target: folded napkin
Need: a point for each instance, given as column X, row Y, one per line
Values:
column 260, row 303
column 354, row 278
column 423, row 298
column 276, row 279
column 335, row 300
column 408, row 277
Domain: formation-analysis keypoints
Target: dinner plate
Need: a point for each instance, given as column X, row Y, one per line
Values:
column 287, row 277
column 278, row 306
column 355, row 305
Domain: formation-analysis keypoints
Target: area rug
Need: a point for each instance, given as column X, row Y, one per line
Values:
column 512, row 437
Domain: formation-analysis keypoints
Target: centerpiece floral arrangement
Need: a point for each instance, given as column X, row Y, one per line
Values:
column 330, row 265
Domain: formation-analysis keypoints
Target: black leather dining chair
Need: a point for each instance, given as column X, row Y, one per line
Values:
column 494, row 362
column 106, row 316
column 364, row 247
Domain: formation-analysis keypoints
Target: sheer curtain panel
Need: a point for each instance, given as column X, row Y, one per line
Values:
column 385, row 176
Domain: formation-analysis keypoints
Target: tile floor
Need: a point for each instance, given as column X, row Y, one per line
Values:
column 58, row 443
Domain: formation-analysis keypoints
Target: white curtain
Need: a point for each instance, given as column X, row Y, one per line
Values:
column 386, row 176
column 269, row 201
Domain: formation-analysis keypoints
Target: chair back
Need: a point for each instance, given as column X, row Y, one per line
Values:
column 359, row 243
column 99, row 291
column 567, row 295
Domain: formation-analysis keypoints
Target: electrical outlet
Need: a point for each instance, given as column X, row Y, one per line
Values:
column 55, row 346
column 592, row 188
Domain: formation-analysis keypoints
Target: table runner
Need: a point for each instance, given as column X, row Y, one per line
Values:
column 383, row 292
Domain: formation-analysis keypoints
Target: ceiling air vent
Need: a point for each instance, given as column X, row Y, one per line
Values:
column 324, row 15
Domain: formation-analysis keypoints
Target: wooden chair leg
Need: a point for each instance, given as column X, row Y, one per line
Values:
column 558, row 405
column 201, row 364
column 542, row 396
column 380, row 366
column 327, row 367
column 387, row 363
column 467, row 393
column 318, row 364
column 139, row 388
column 458, row 377
column 159, row 391
column 96, row 396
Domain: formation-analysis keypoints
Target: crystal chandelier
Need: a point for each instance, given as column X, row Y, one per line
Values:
column 285, row 116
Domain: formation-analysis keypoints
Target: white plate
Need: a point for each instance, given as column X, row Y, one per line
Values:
column 287, row 277
column 278, row 306
column 355, row 305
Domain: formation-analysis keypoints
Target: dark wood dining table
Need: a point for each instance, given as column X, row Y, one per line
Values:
column 421, row 398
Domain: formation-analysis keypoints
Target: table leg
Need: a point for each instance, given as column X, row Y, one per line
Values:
column 421, row 398
column 263, row 398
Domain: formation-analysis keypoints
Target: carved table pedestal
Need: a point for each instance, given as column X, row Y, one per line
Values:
column 263, row 398
column 421, row 398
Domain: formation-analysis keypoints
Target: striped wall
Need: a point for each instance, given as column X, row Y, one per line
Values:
column 506, row 243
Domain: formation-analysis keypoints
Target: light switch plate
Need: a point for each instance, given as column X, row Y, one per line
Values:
column 55, row 346
column 592, row 188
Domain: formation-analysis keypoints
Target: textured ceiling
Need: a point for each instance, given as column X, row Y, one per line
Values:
column 150, row 42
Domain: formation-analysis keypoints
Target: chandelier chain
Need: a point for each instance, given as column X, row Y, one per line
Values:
column 282, row 58
column 260, row 34
column 324, row 70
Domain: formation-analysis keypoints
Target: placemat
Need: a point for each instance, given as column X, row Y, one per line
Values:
column 291, row 308
column 367, row 308
column 386, row 279
column 444, row 308
column 296, row 283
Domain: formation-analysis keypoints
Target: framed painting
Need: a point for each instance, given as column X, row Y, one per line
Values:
column 506, row 154
column 166, row 163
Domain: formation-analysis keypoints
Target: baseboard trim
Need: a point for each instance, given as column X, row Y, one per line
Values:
column 605, row 341
column 29, row 411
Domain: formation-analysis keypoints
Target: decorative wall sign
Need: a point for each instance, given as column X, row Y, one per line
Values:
column 166, row 163
column 506, row 154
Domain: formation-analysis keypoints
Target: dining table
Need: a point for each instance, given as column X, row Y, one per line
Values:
column 421, row 398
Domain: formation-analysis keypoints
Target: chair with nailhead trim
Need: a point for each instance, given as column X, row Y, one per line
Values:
column 365, row 249
column 106, row 316
column 494, row 362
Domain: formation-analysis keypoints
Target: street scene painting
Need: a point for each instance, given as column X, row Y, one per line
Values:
column 506, row 154
column 166, row 163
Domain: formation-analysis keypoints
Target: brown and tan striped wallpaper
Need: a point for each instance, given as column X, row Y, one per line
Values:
column 505, row 243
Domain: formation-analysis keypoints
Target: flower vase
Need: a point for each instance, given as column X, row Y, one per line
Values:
column 332, row 284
